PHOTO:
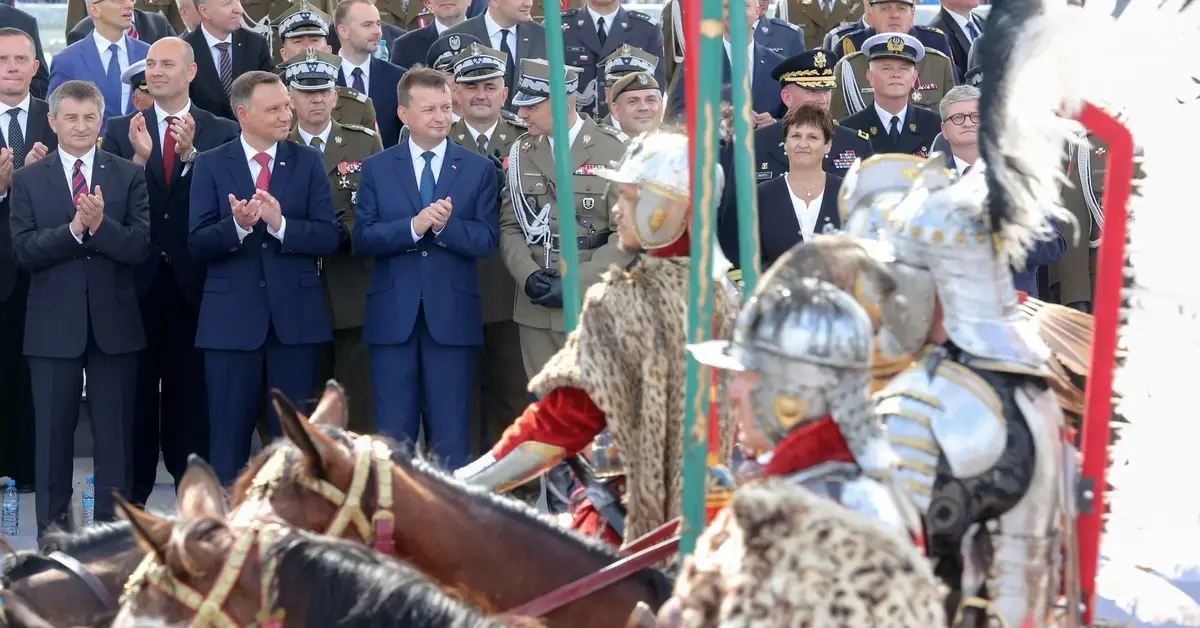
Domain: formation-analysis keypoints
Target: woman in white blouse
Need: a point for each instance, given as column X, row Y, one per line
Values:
column 802, row 202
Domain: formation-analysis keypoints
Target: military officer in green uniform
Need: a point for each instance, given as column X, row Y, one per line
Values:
column 407, row 14
column 935, row 77
column 622, row 62
column 311, row 78
column 529, row 226
column 637, row 104
column 303, row 27
column 818, row 17
column 500, row 390
column 1073, row 277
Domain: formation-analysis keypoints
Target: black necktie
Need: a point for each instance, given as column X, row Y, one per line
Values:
column 481, row 141
column 16, row 141
column 510, row 72
column 601, row 31
column 894, row 131
column 317, row 143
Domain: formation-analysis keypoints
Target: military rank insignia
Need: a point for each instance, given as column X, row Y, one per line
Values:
column 349, row 167
column 586, row 170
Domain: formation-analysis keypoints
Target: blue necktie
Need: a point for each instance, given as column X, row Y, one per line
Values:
column 427, row 182
column 114, row 77
column 972, row 32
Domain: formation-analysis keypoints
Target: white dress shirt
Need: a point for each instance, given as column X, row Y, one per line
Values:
column 960, row 165
column 439, row 155
column 161, row 115
column 806, row 213
column 102, row 45
column 608, row 18
column 962, row 24
column 439, row 27
column 886, row 118
column 348, row 73
column 494, row 29
column 749, row 55
column 306, row 137
column 212, row 48
column 475, row 134
column 254, row 170
column 571, row 134
column 68, row 165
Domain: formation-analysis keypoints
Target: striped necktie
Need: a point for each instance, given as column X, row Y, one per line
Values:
column 78, row 182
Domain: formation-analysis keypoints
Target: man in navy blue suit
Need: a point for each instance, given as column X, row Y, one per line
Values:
column 80, row 224
column 261, row 214
column 359, row 32
column 172, row 404
column 427, row 211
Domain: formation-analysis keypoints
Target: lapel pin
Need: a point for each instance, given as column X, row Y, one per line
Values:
column 283, row 163
column 581, row 22
column 461, row 135
column 912, row 126
column 874, row 130
column 624, row 24
column 766, row 30
column 587, row 138
column 453, row 167
column 337, row 139
column 503, row 136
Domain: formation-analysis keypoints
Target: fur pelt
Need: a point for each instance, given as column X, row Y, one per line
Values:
column 628, row 355
column 782, row 555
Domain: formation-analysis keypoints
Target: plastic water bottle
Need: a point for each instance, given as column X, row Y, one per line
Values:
column 12, row 510
column 89, row 501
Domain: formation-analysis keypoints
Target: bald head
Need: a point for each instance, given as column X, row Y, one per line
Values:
column 170, row 68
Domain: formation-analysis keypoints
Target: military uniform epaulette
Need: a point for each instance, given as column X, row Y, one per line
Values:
column 929, row 28
column 863, row 135
column 645, row 17
column 935, row 51
column 782, row 23
column 360, row 128
column 570, row 12
column 351, row 92
column 613, row 131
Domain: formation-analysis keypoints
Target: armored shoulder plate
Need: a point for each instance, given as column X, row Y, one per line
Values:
column 360, row 128
column 350, row 92
column 954, row 406
column 863, row 135
column 613, row 131
column 638, row 15
column 931, row 29
column 570, row 12
column 783, row 23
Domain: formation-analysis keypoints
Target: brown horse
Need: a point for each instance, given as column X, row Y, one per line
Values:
column 204, row 571
column 494, row 550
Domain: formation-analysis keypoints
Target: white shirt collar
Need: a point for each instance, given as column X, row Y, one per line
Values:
column 439, row 152
column 68, row 161
column 754, row 26
column 494, row 29
column 572, row 134
column 251, row 151
column 212, row 39
column 615, row 122
column 608, row 18
column 886, row 118
column 962, row 21
column 324, row 135
column 439, row 27
column 102, row 44
column 161, row 114
column 749, row 51
column 475, row 134
column 960, row 165
column 348, row 69
column 23, row 106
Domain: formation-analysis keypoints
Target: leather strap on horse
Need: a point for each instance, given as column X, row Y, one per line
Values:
column 378, row 529
column 655, row 536
column 591, row 583
column 79, row 570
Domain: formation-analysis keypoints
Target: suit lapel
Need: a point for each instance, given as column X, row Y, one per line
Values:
column 829, row 211
column 334, row 151
column 449, row 173
column 91, row 58
column 58, row 182
column 239, row 52
column 284, row 156
column 204, row 60
column 588, row 34
column 36, row 125
column 243, row 183
column 154, row 165
column 408, row 179
column 619, row 21
column 100, row 165
column 956, row 32
column 543, row 159
column 910, row 139
column 580, row 150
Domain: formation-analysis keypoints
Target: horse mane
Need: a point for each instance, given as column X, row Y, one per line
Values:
column 28, row 563
column 345, row 583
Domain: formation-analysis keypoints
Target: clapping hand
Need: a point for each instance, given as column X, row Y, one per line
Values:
column 184, row 132
column 268, row 209
column 762, row 119
column 245, row 215
column 139, row 138
column 38, row 151
column 6, row 168
column 439, row 212
column 91, row 210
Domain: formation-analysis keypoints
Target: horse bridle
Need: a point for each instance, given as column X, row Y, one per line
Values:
column 72, row 566
column 376, row 530
column 210, row 610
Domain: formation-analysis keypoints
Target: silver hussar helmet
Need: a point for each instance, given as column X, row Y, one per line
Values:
column 808, row 341
column 872, row 188
column 658, row 164
column 942, row 228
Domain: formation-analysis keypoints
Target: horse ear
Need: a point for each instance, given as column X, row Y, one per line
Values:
column 333, row 408
column 641, row 617
column 17, row 612
column 317, row 448
column 200, row 493
column 149, row 531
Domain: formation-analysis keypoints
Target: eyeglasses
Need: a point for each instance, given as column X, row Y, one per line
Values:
column 959, row 118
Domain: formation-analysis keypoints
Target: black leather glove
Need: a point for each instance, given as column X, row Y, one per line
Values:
column 537, row 285
column 1082, row 306
column 554, row 298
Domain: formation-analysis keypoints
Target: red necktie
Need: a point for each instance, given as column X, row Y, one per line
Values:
column 168, row 150
column 264, row 174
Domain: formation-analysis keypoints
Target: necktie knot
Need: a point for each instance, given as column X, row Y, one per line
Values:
column 428, row 156
column 316, row 142
column 223, row 46
column 170, row 120
column 78, row 165
column 113, row 48
column 263, row 159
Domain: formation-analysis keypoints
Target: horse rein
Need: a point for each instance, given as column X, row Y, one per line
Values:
column 210, row 610
column 80, row 571
column 376, row 530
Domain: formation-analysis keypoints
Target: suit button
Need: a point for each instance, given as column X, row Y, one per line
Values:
column 424, row 253
column 264, row 245
column 262, row 284
column 166, row 216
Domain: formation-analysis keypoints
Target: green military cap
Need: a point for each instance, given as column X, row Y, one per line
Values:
column 533, row 82
column 633, row 82
column 313, row 71
column 478, row 63
column 442, row 53
column 625, row 60
column 135, row 76
column 302, row 19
